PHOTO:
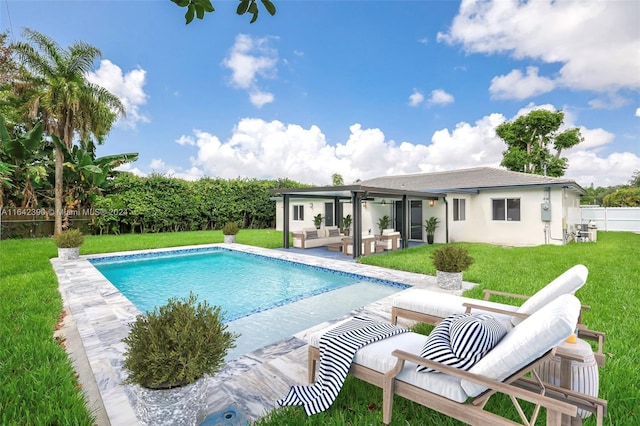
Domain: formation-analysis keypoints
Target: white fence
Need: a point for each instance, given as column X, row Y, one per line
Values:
column 612, row 218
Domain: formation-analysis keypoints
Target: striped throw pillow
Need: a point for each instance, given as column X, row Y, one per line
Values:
column 461, row 340
column 334, row 232
column 312, row 235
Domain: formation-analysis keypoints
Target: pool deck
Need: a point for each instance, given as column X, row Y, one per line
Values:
column 98, row 316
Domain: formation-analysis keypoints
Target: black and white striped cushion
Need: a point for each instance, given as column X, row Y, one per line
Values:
column 461, row 340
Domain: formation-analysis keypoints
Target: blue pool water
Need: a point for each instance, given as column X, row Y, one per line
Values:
column 265, row 299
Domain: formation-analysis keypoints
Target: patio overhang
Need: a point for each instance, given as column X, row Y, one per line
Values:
column 354, row 194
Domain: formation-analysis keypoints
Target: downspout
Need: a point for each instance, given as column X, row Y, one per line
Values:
column 446, row 219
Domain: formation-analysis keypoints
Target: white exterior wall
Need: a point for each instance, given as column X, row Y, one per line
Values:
column 529, row 230
column 309, row 212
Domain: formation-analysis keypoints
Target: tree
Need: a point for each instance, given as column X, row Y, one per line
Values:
column 529, row 139
column 635, row 179
column 67, row 104
column 197, row 8
column 337, row 180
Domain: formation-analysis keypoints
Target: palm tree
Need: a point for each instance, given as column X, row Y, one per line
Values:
column 68, row 105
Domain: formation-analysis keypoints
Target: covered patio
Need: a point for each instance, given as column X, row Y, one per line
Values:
column 356, row 195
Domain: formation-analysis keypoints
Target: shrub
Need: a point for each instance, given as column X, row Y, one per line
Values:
column 230, row 228
column 177, row 344
column 69, row 238
column 450, row 258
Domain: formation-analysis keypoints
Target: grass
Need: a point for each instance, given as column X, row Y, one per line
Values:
column 39, row 386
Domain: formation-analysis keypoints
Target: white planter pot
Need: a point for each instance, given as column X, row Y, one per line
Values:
column 177, row 406
column 449, row 280
column 229, row 239
column 68, row 253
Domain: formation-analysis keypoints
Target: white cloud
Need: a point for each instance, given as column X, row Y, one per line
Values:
column 263, row 149
column 128, row 87
column 423, row 40
column 416, row 98
column 596, row 42
column 127, row 167
column 185, row 140
column 157, row 164
column 515, row 85
column 250, row 59
column 637, row 112
column 440, row 97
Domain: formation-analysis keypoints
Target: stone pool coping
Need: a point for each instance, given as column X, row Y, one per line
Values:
column 98, row 316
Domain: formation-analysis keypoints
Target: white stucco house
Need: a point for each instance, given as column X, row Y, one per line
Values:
column 483, row 204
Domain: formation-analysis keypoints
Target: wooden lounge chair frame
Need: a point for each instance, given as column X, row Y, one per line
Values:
column 561, row 404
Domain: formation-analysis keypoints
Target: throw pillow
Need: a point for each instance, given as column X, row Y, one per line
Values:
column 312, row 235
column 461, row 340
column 334, row 232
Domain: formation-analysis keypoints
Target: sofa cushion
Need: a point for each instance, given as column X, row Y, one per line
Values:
column 334, row 232
column 567, row 283
column 529, row 340
column 461, row 340
column 312, row 235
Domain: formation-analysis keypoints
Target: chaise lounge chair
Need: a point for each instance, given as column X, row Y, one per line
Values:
column 392, row 365
column 431, row 307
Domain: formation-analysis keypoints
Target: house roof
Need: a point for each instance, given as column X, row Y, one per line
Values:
column 469, row 180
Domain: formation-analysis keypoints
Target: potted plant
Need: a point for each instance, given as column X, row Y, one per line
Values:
column 383, row 223
column 346, row 224
column 68, row 243
column 430, row 226
column 450, row 261
column 317, row 220
column 169, row 350
column 230, row 229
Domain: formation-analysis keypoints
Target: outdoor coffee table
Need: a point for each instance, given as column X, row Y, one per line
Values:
column 334, row 246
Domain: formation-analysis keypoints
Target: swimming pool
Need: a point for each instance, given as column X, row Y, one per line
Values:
column 265, row 299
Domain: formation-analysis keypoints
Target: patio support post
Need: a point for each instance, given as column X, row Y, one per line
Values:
column 406, row 229
column 285, row 218
column 357, row 223
column 446, row 219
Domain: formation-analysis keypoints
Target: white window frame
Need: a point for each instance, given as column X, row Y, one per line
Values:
column 459, row 209
column 507, row 211
column 298, row 212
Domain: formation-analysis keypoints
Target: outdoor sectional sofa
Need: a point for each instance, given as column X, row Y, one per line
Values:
column 312, row 237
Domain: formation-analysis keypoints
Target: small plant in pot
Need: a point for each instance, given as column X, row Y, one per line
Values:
column 346, row 224
column 68, row 243
column 317, row 220
column 430, row 227
column 450, row 261
column 383, row 223
column 172, row 347
column 230, row 229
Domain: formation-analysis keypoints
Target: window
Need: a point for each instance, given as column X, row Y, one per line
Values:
column 459, row 209
column 506, row 209
column 298, row 212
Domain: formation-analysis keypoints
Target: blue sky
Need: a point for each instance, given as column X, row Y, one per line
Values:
column 359, row 88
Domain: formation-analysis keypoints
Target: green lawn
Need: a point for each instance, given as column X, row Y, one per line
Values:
column 38, row 384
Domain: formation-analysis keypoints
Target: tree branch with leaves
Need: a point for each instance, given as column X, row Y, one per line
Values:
column 197, row 8
column 531, row 137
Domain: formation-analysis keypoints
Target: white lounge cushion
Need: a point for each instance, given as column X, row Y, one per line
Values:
column 443, row 304
column 461, row 340
column 567, row 283
column 377, row 356
column 532, row 338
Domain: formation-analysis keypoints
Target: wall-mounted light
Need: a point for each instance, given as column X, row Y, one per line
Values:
column 310, row 205
column 384, row 202
column 432, row 203
column 364, row 204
